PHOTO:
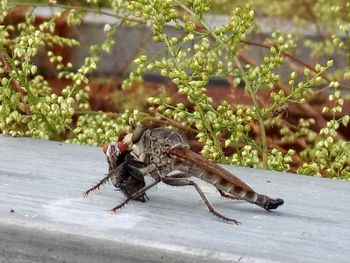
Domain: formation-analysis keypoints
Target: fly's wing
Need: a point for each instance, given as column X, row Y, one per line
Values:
column 125, row 166
column 135, row 173
column 130, row 182
column 210, row 167
column 137, row 178
column 118, row 174
column 130, row 186
column 132, row 161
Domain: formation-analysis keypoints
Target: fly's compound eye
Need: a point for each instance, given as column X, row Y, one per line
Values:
column 105, row 148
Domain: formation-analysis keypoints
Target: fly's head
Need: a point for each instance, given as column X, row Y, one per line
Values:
column 123, row 172
column 122, row 175
column 113, row 152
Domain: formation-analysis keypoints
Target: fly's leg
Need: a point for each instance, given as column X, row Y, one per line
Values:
column 182, row 182
column 227, row 195
column 97, row 186
column 114, row 172
column 135, row 195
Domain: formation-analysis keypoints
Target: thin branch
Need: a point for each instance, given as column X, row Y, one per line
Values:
column 14, row 84
column 296, row 59
column 314, row 19
column 200, row 27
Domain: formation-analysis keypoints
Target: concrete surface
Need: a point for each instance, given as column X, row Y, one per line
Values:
column 42, row 183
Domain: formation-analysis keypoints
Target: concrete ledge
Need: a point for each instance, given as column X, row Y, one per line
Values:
column 43, row 181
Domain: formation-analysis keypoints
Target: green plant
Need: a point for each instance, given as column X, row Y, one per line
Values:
column 29, row 108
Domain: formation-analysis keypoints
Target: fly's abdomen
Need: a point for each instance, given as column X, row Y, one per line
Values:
column 239, row 191
column 267, row 202
column 219, row 182
column 192, row 163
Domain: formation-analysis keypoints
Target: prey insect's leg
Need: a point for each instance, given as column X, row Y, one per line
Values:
column 135, row 195
column 182, row 182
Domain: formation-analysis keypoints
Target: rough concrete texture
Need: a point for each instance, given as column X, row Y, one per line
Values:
column 42, row 183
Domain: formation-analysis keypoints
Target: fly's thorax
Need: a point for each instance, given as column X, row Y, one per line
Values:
column 154, row 144
column 139, row 152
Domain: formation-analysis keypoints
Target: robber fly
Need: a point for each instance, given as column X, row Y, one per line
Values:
column 167, row 158
column 123, row 172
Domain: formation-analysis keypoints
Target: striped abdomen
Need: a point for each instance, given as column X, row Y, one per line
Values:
column 212, row 173
column 240, row 191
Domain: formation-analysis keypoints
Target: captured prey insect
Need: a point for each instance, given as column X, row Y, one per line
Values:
column 167, row 158
column 123, row 172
